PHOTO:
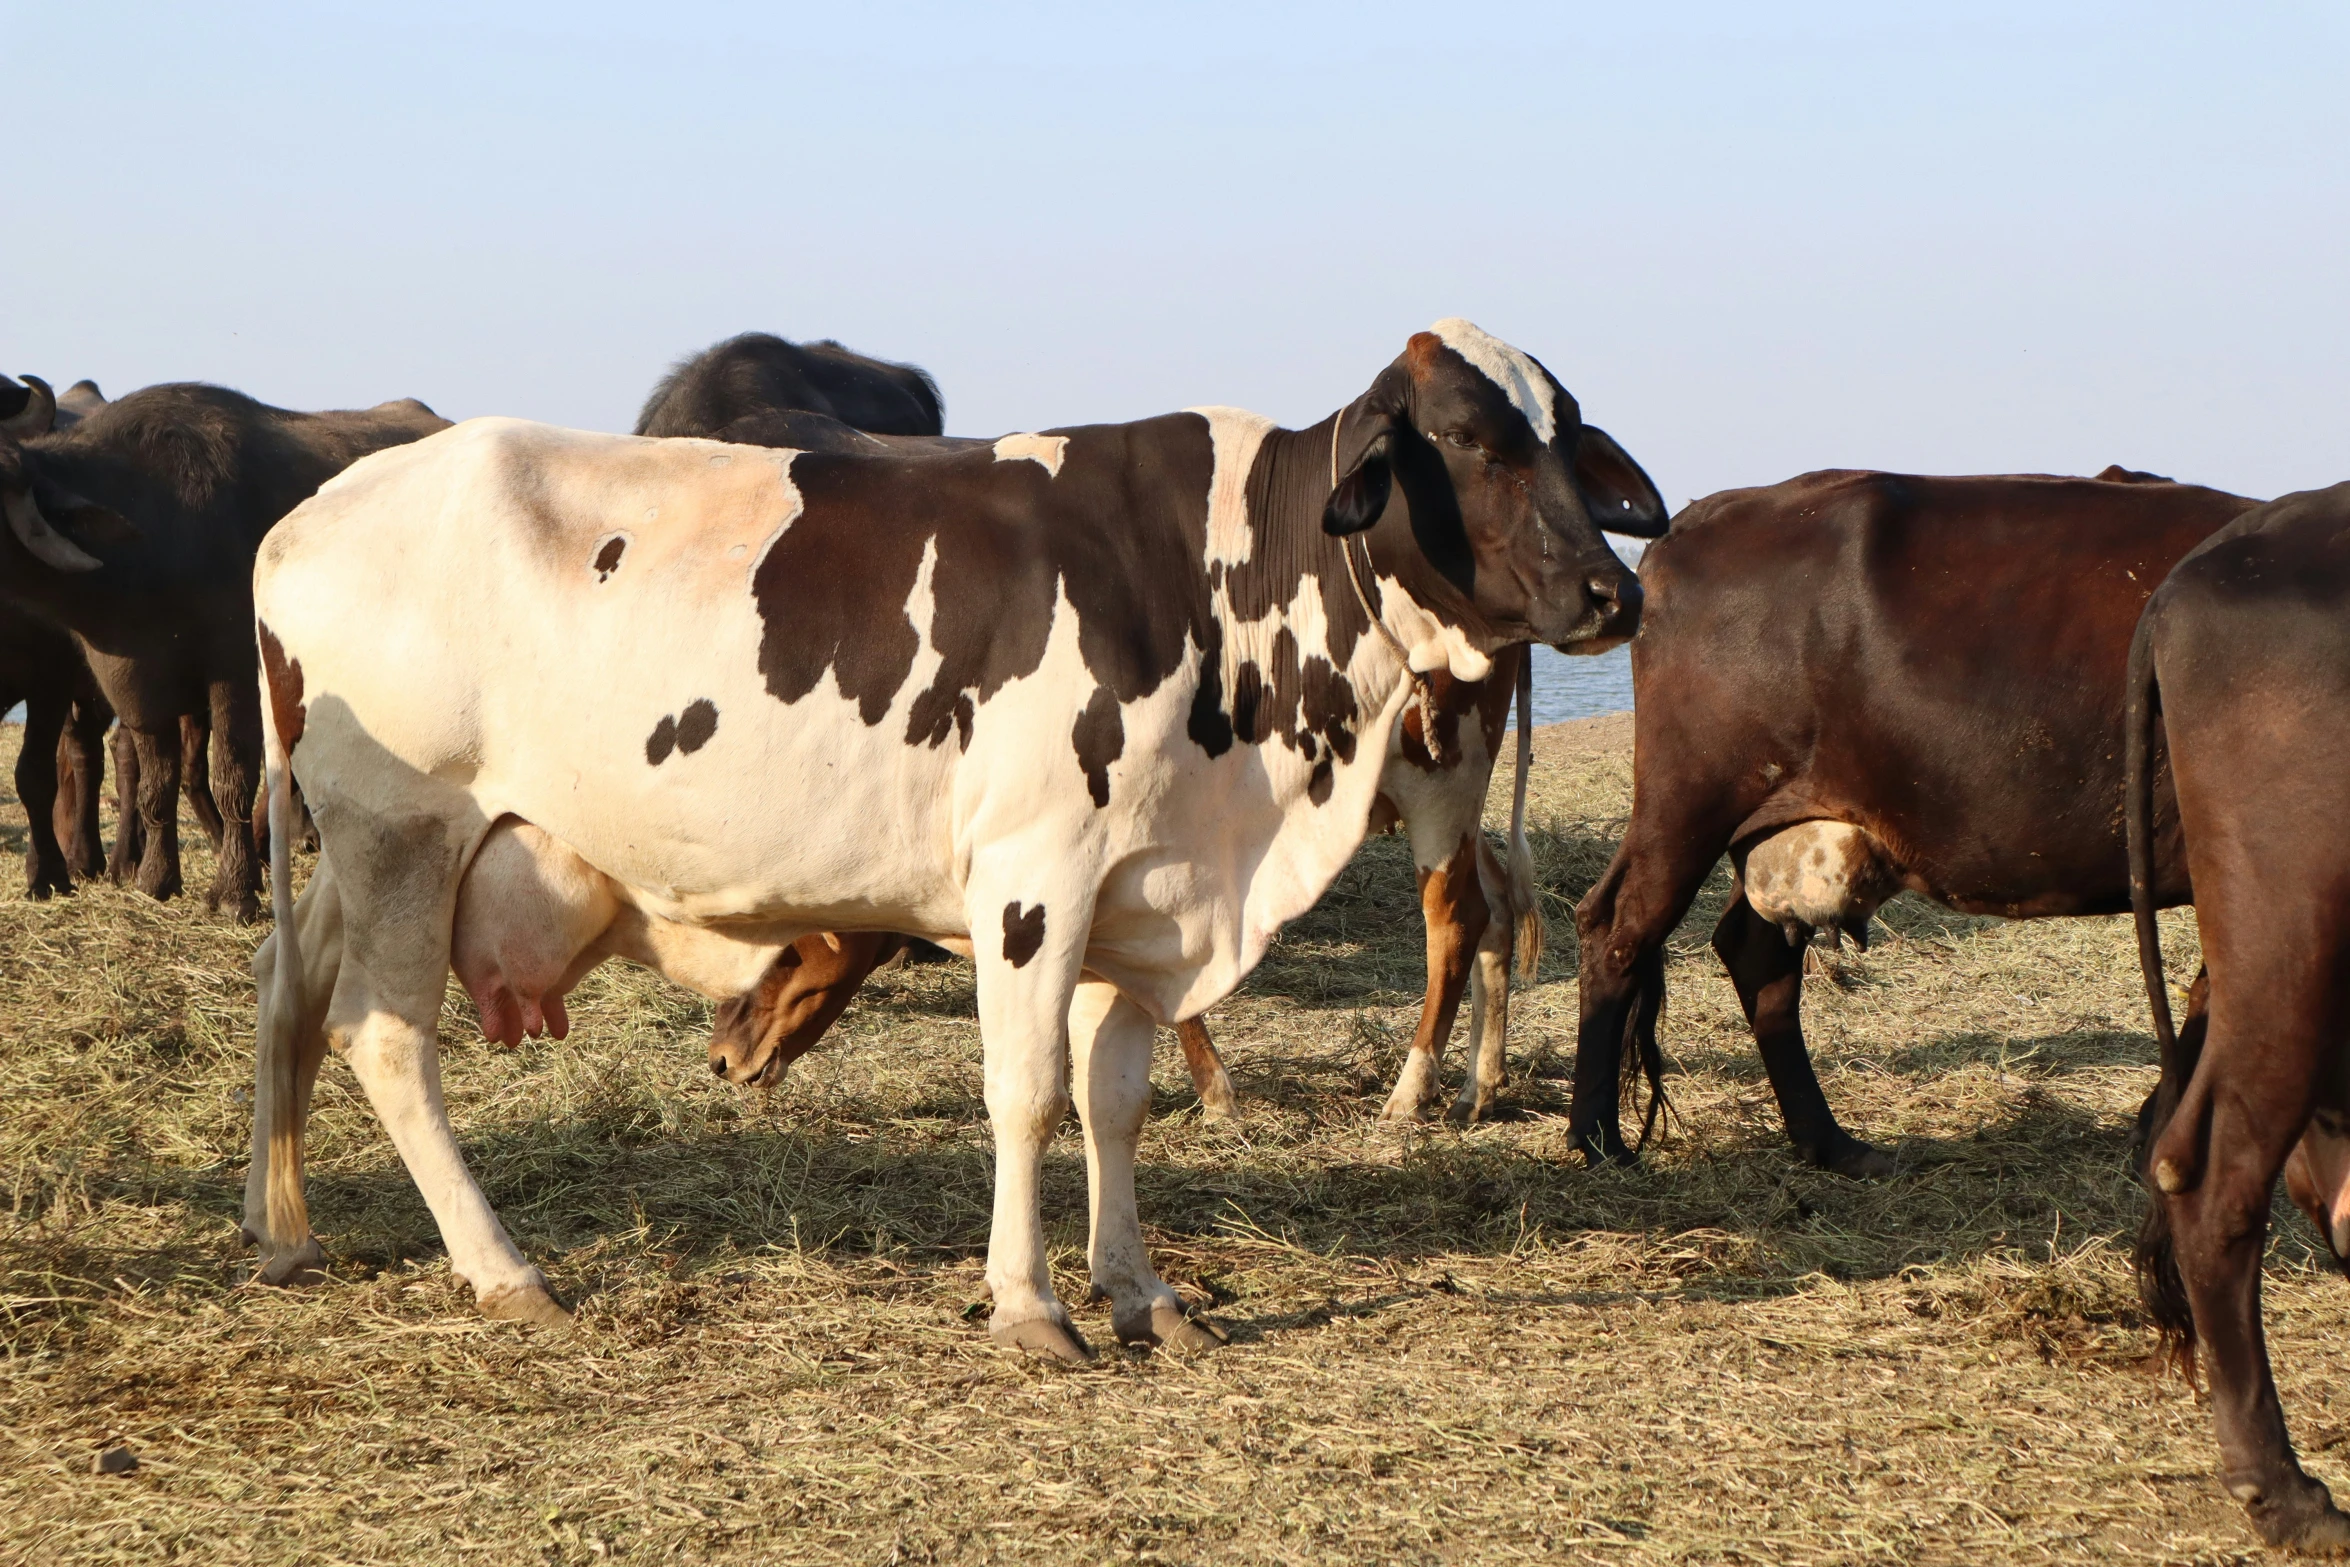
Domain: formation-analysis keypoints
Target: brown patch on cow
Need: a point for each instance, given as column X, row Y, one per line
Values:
column 1100, row 739
column 1319, row 785
column 661, row 741
column 283, row 677
column 1023, row 933
column 963, row 717
column 696, row 725
column 608, row 558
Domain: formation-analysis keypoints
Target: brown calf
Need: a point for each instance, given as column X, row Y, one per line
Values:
column 1853, row 683
column 2241, row 666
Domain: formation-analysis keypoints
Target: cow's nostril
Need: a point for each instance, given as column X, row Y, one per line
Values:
column 718, row 1066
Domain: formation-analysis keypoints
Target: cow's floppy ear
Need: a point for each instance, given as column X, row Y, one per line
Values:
column 1364, row 437
column 1620, row 497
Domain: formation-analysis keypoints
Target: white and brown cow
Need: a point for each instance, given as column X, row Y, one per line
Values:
column 1105, row 705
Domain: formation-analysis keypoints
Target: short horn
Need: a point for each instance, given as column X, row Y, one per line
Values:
column 32, row 530
column 36, row 417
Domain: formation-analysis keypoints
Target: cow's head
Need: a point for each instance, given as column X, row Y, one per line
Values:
column 1486, row 493
column 32, row 507
column 765, row 1029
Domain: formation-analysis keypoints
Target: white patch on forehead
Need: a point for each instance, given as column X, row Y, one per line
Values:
column 1237, row 434
column 1519, row 377
column 1044, row 450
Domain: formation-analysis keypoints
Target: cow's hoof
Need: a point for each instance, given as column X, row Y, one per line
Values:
column 1171, row 1328
column 163, row 886
column 2299, row 1516
column 525, row 1303
column 1849, row 1156
column 1043, row 1338
column 1404, row 1111
column 303, row 1265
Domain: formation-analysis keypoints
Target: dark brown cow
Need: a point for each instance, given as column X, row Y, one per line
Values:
column 2241, row 668
column 1853, row 683
column 135, row 529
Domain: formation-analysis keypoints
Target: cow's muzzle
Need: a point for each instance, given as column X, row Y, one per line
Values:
column 1606, row 613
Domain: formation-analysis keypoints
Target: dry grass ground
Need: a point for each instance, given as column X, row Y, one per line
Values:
column 1446, row 1346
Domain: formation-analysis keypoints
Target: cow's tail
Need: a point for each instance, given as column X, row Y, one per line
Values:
column 277, row 1131
column 1643, row 1062
column 1525, row 894
column 2168, row 1168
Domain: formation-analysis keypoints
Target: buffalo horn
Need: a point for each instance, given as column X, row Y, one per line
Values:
column 32, row 530
column 35, row 417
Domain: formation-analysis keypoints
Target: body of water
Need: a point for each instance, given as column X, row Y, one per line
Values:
column 1567, row 688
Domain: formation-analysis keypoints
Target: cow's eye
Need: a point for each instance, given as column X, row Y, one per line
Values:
column 1462, row 439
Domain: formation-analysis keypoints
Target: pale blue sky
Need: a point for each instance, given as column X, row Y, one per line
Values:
column 1752, row 239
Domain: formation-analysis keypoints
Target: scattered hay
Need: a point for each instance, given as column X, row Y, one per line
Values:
column 1447, row 1344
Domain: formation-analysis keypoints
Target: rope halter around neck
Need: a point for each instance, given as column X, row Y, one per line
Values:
column 1422, row 692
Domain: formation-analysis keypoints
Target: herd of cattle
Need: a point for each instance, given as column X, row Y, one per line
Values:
column 789, row 680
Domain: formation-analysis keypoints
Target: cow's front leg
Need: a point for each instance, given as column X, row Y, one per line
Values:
column 1110, row 1052
column 1027, row 956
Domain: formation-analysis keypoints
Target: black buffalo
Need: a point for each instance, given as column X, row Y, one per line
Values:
column 757, row 374
column 134, row 529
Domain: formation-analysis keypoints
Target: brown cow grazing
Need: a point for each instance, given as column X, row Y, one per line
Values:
column 1853, row 683
column 2241, row 667
column 135, row 529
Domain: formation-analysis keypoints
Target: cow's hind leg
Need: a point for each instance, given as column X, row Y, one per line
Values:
column 2215, row 1163
column 398, row 880
column 1110, row 1055
column 1217, row 1101
column 1767, row 970
column 1027, row 950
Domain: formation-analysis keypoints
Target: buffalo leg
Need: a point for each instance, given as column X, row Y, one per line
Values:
column 81, row 774
column 36, row 789
column 195, row 748
column 130, row 839
column 1217, row 1101
column 1768, row 972
column 1622, row 924
column 1452, row 908
column 236, row 767
column 158, row 801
